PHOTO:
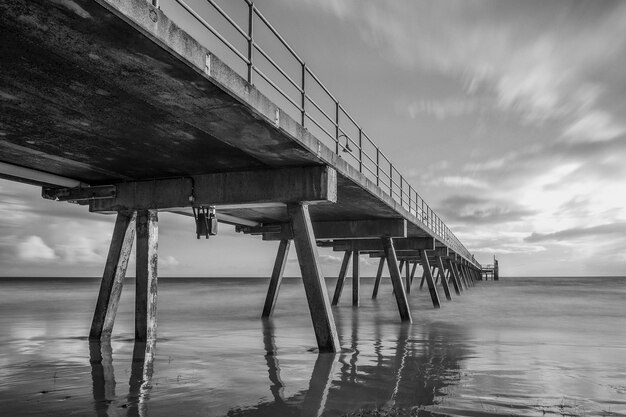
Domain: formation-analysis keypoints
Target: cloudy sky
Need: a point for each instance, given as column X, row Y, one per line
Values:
column 509, row 118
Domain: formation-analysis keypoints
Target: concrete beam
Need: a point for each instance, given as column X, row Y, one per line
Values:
column 343, row 229
column 410, row 243
column 317, row 184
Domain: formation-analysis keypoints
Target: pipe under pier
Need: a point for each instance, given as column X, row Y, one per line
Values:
column 111, row 105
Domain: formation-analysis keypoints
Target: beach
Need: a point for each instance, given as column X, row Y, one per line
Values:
column 520, row 346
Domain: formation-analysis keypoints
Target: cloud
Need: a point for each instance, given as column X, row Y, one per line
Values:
column 442, row 109
column 574, row 233
column 545, row 61
column 34, row 249
column 457, row 181
column 594, row 126
column 168, row 261
column 477, row 210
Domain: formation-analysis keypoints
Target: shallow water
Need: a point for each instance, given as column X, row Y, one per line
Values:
column 531, row 346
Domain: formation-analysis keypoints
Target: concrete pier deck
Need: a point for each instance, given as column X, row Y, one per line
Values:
column 109, row 103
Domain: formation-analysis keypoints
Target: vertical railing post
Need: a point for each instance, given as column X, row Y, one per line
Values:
column 390, row 179
column 360, row 150
column 337, row 127
column 377, row 166
column 250, row 39
column 303, row 111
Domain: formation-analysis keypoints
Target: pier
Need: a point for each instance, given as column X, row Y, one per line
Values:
column 109, row 104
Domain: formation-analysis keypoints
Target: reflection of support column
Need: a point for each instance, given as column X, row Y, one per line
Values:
column 356, row 278
column 379, row 275
column 313, row 279
column 354, row 346
column 321, row 379
column 146, row 275
column 102, row 376
column 140, row 382
column 273, row 367
column 400, row 360
column 342, row 277
column 277, row 277
column 396, row 279
column 429, row 279
column 113, row 276
column 442, row 273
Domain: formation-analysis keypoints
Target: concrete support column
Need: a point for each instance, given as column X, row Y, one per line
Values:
column 413, row 272
column 396, row 279
column 455, row 275
column 442, row 274
column 342, row 277
column 356, row 278
column 379, row 275
column 277, row 277
column 146, row 275
column 313, row 278
column 113, row 276
column 407, row 277
column 429, row 279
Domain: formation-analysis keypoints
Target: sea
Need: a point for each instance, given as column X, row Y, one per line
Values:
column 518, row 346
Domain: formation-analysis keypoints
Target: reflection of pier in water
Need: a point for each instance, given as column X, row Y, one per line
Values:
column 103, row 377
column 412, row 369
column 415, row 371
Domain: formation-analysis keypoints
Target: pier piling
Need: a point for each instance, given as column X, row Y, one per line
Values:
column 146, row 275
column 313, row 278
column 113, row 276
column 396, row 279
column 277, row 277
column 356, row 278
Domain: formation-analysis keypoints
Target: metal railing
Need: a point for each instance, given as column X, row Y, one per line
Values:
column 314, row 106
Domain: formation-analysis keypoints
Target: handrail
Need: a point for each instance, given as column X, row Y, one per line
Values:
column 378, row 165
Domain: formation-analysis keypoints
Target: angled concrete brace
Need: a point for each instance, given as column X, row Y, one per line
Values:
column 429, row 279
column 113, row 276
column 442, row 272
column 413, row 272
column 342, row 276
column 458, row 267
column 442, row 276
column 146, row 275
column 468, row 276
column 313, row 278
column 423, row 278
column 277, row 277
column 396, row 279
column 455, row 275
column 379, row 275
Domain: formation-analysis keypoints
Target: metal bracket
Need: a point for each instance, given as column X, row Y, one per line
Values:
column 79, row 194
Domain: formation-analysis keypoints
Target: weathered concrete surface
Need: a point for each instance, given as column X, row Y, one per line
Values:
column 109, row 90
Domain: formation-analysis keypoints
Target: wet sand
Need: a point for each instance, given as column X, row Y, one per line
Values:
column 553, row 346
